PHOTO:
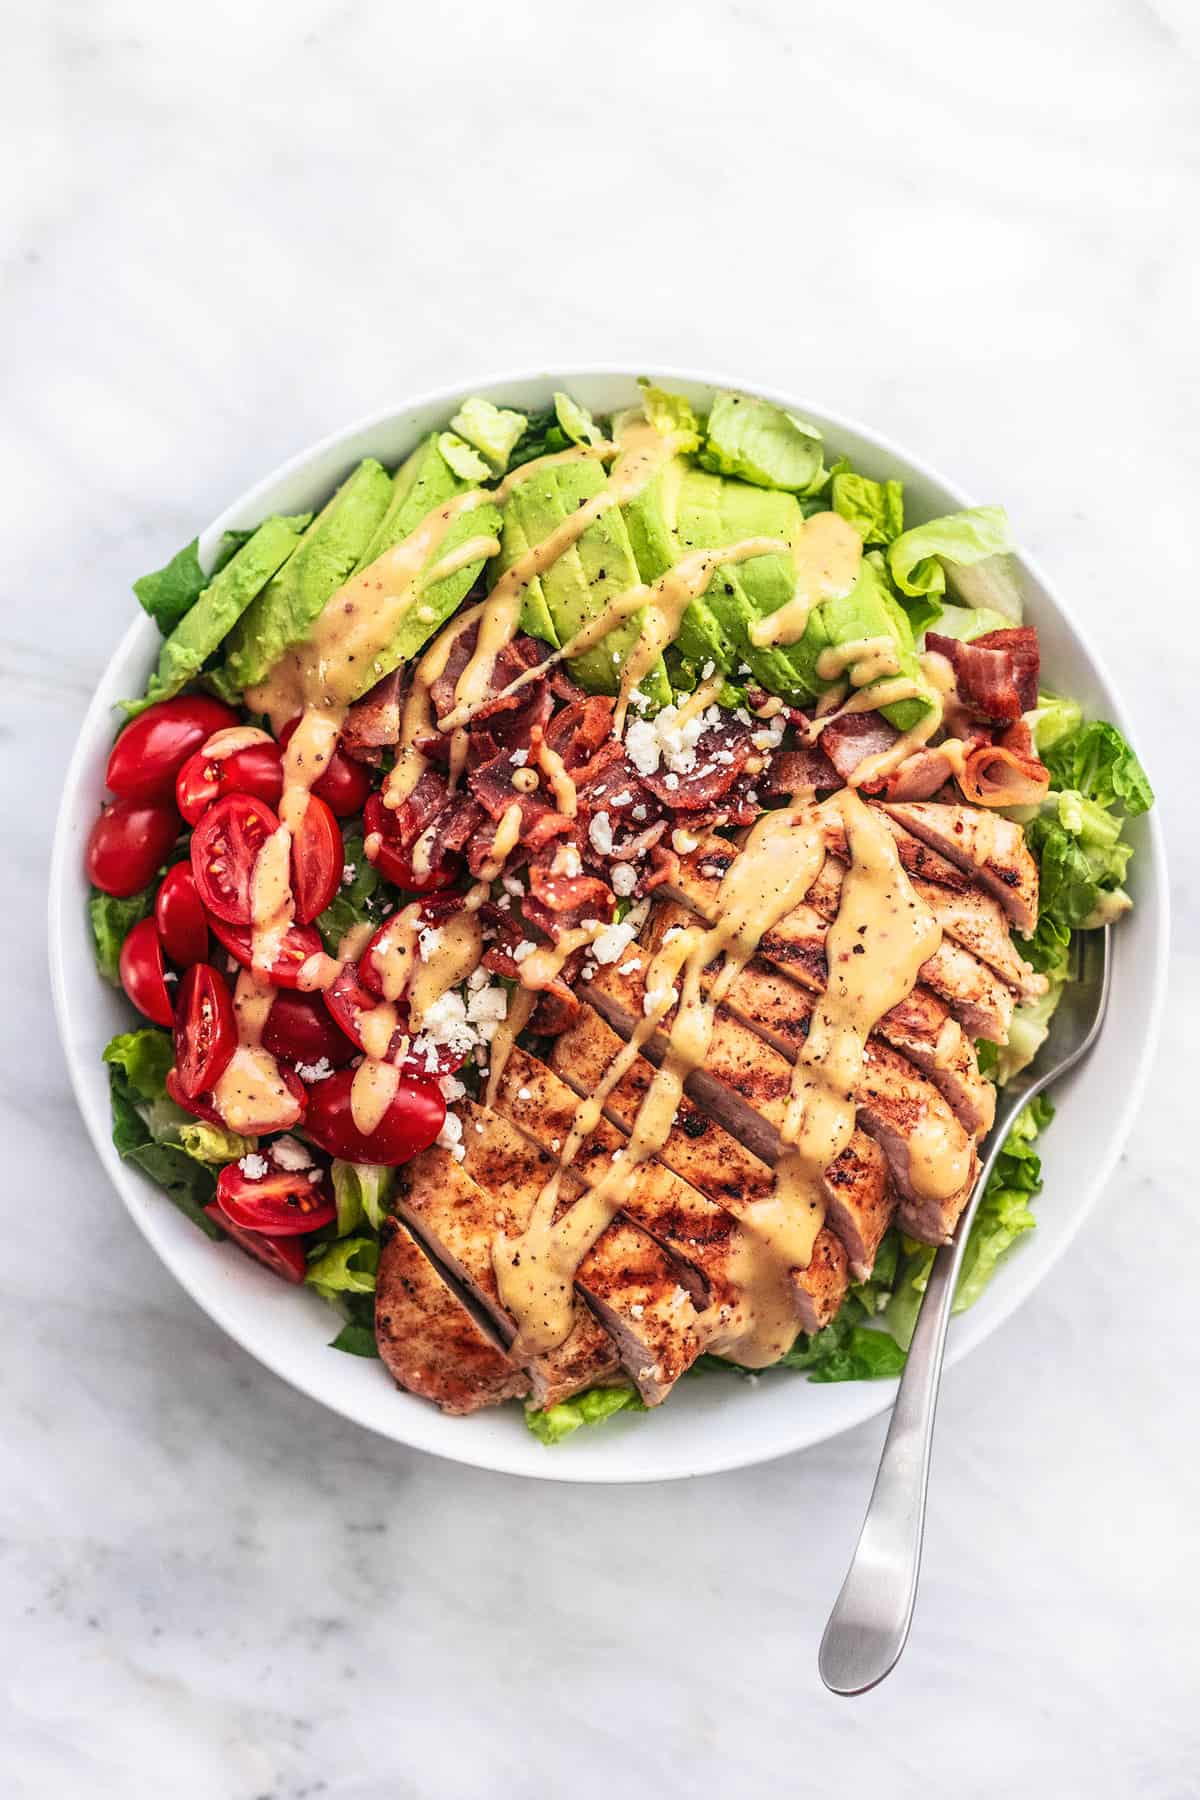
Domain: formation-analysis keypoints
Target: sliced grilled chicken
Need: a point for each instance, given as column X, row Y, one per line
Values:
column 684, row 1220
column 974, row 994
column 860, row 1200
column 746, row 1082
column 458, row 1219
column 429, row 1341
column 631, row 1283
column 990, row 848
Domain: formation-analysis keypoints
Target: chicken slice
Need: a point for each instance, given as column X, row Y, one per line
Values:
column 860, row 1201
column 430, row 1342
column 987, row 846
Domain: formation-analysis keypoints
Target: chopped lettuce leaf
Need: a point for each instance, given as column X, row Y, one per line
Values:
column 493, row 430
column 145, row 1122
column 921, row 559
column 1053, row 719
column 1028, row 1032
column 112, row 920
column 355, row 1340
column 347, row 1267
column 845, row 1351
column 466, row 461
column 670, row 414
column 212, row 1143
column 763, row 445
column 1096, row 759
column 349, row 907
column 143, row 1057
column 577, row 421
column 543, row 436
column 553, row 1423
column 362, row 1191
column 967, row 622
column 874, row 508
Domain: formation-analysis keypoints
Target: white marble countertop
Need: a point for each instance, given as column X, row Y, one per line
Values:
column 238, row 227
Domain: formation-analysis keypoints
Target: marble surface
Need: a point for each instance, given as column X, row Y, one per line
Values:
column 235, row 228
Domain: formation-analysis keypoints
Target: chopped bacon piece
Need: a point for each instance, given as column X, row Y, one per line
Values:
column 852, row 737
column 461, row 823
column 1021, row 642
column 985, row 678
column 792, row 771
column 721, row 755
column 665, row 868
column 417, row 812
column 492, row 786
column 441, row 688
column 585, row 895
column 1006, row 773
column 608, row 774
column 373, row 723
column 918, row 777
column 579, row 730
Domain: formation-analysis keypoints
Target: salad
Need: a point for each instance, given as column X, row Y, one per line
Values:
column 580, row 891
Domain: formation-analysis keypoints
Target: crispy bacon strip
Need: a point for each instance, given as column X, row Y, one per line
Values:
column 853, row 737
column 1006, row 773
column 984, row 675
column 1021, row 642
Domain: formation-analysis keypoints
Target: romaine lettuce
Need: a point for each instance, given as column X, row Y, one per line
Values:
column 492, row 430
column 874, row 508
column 576, row 421
column 145, row 1122
column 553, row 1423
column 672, row 414
column 921, row 559
column 362, row 1191
column 346, row 1267
column 112, row 920
column 463, row 458
column 763, row 445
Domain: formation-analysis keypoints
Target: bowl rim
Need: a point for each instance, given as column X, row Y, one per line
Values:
column 870, row 1399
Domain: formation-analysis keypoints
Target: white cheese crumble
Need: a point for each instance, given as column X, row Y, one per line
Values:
column 614, row 941
column 600, row 834
column 428, row 942
column 525, row 948
column 450, row 1137
column 349, row 871
column 253, row 1166
column 519, row 758
column 621, row 799
column 624, row 879
column 452, row 1089
column 320, row 1070
column 291, row 1154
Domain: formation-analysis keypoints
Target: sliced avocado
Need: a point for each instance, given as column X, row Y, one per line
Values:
column 283, row 614
column 651, row 518
column 436, row 603
column 423, row 480
column 535, row 614
column 224, row 601
column 586, row 578
column 868, row 610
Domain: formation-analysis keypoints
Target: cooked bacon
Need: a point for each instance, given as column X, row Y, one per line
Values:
column 1021, row 642
column 919, row 776
column 665, row 868
column 418, row 810
column 608, row 775
column 984, row 677
column 585, row 895
column 850, row 738
column 461, row 822
column 721, row 754
column 373, row 723
column 1006, row 773
column 579, row 730
column 792, row 771
column 441, row 688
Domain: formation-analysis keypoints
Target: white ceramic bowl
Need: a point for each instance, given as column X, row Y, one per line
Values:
column 713, row 1423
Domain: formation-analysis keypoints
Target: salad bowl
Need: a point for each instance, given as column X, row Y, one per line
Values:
column 714, row 1423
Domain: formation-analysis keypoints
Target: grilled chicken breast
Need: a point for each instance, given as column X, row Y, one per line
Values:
column 989, row 848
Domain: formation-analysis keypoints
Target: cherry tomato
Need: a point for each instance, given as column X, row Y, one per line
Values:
column 201, row 1107
column 347, row 999
column 225, row 847
column 180, row 918
column 203, row 780
column 345, row 784
column 284, row 1256
column 205, row 1029
column 283, row 1202
column 411, row 1123
column 317, row 861
column 393, row 861
column 129, row 843
column 142, row 974
column 299, row 1029
column 299, row 943
column 145, row 759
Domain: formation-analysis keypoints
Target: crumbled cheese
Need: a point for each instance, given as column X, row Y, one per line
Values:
column 630, row 968
column 428, row 941
column 600, row 834
column 525, row 948
column 671, row 781
column 769, row 738
column 588, row 971
column 659, row 1000
column 320, row 1070
column 614, row 941
column 519, row 758
column 742, row 716
column 621, row 799
column 512, row 886
column 725, row 757
column 450, row 1137
column 446, row 1023
column 349, row 871
column 478, row 978
column 524, row 1094
column 452, row 1089
column 638, row 813
column 253, row 1166
column 487, row 1007
column 624, row 879
column 636, row 1310
column 669, row 937
column 708, row 671
column 567, row 860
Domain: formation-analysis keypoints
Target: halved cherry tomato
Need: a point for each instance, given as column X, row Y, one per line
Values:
column 204, row 1106
column 225, row 847
column 317, row 861
column 345, row 784
column 412, row 1121
column 142, row 974
column 300, row 1030
column 347, row 999
column 200, row 1106
column 283, row 1202
column 128, row 844
column 180, row 918
column 393, row 861
column 203, row 780
column 284, row 1256
column 205, row 1029
column 145, row 759
column 299, row 943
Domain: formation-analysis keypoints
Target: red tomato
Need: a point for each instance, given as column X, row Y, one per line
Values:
column 143, row 762
column 225, row 846
column 347, row 999
column 317, row 861
column 200, row 1108
column 129, row 843
column 203, row 1106
column 393, row 861
column 412, row 1121
column 142, row 974
column 180, row 918
column 205, row 1029
column 345, row 784
column 300, row 1030
column 284, row 1256
column 299, row 943
column 203, row 780
column 283, row 1202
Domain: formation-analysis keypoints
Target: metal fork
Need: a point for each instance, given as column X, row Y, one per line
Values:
column 869, row 1625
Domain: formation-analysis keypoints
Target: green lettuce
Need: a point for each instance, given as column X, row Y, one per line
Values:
column 492, row 430
column 463, row 458
column 763, row 445
column 111, row 921
column 170, row 592
column 356, row 1340
column 1097, row 760
column 143, row 1058
column 145, row 1123
column 362, row 1191
column 553, row 1423
column 350, row 905
column 1053, row 719
column 967, row 622
column 576, row 421
column 921, row 559
column 671, row 414
column 845, row 1351
column 346, row 1267
column 874, row 508
column 212, row 1143
column 542, row 436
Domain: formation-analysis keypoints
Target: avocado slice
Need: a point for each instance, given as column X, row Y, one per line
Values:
column 868, row 610
column 216, row 612
column 423, row 480
column 585, row 579
column 651, row 518
column 284, row 612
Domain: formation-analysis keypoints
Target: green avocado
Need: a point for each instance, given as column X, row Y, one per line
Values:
column 868, row 610
column 584, row 580
column 422, row 482
column 284, row 613
column 651, row 518
column 216, row 612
